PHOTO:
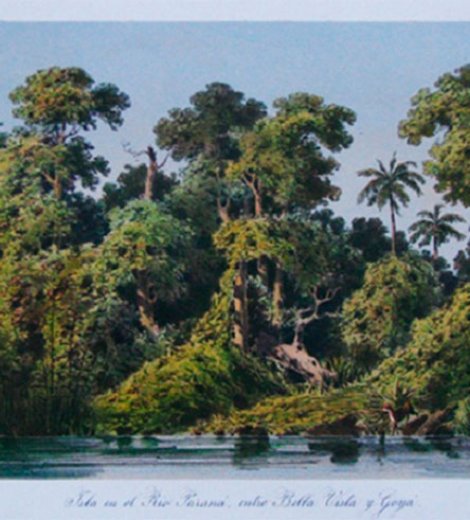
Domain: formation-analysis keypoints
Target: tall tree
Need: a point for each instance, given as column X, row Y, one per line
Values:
column 435, row 227
column 444, row 113
column 388, row 187
column 43, row 160
column 285, row 168
column 283, row 162
column 47, row 296
column 58, row 104
column 207, row 132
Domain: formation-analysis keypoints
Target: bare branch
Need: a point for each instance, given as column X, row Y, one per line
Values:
column 127, row 148
column 162, row 164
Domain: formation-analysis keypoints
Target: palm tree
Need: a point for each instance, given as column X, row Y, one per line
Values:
column 388, row 187
column 436, row 227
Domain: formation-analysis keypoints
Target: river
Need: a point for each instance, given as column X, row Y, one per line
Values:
column 211, row 457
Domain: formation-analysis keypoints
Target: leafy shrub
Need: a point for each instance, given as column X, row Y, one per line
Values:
column 206, row 376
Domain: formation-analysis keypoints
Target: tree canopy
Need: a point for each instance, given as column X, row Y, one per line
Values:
column 436, row 227
column 444, row 113
column 174, row 300
column 377, row 317
column 388, row 187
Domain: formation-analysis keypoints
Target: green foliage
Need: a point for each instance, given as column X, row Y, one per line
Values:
column 56, row 105
column 249, row 239
column 377, row 317
column 207, row 134
column 345, row 368
column 282, row 159
column 101, row 300
column 30, row 212
column 445, row 113
column 293, row 414
column 370, row 237
column 435, row 364
column 205, row 127
column 432, row 372
column 329, row 120
column 193, row 201
column 462, row 417
column 389, row 187
column 318, row 254
column 204, row 377
column 57, row 98
column 462, row 265
column 130, row 186
column 436, row 228
column 143, row 238
column 45, row 308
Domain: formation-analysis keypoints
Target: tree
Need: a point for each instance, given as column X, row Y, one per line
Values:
column 319, row 268
column 56, row 105
column 284, row 167
column 370, row 236
column 47, row 297
column 245, row 240
column 436, row 227
column 42, row 160
column 207, row 132
column 130, row 185
column 283, row 162
column 445, row 113
column 436, row 363
column 388, row 187
column 46, row 305
column 462, row 265
column 378, row 316
column 145, row 254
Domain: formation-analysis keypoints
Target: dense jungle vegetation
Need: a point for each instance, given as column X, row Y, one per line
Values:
column 227, row 296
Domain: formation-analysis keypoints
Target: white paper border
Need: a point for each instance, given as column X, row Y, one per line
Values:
column 235, row 10
column 235, row 499
column 39, row 499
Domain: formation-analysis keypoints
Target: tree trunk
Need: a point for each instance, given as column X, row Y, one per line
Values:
column 58, row 190
column 223, row 210
column 435, row 252
column 394, row 229
column 301, row 323
column 258, row 205
column 298, row 333
column 254, row 185
column 240, row 302
column 262, row 268
column 152, row 169
column 145, row 304
column 278, row 290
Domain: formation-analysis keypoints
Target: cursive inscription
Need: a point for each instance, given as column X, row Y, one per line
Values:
column 385, row 504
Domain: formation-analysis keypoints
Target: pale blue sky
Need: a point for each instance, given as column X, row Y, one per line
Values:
column 373, row 68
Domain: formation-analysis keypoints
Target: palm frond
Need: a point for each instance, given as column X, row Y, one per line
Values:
column 426, row 215
column 452, row 218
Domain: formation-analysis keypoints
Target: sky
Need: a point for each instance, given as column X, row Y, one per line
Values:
column 372, row 68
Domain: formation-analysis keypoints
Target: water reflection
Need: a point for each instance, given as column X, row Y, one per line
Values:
column 417, row 445
column 231, row 457
column 341, row 450
column 249, row 447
